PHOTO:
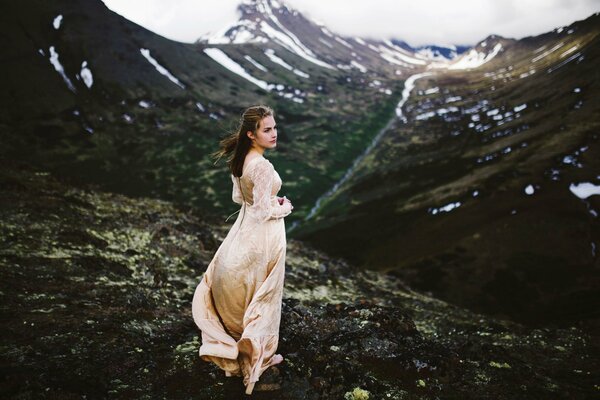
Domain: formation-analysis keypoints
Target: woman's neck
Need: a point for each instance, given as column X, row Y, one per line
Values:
column 259, row 150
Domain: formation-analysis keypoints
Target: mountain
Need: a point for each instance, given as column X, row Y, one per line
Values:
column 444, row 241
column 482, row 52
column 375, row 138
column 439, row 52
column 267, row 23
column 487, row 195
column 97, row 98
column 100, row 99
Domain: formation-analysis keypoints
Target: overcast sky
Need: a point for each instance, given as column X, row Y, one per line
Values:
column 416, row 22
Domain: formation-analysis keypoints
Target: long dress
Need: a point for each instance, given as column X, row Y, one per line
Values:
column 237, row 304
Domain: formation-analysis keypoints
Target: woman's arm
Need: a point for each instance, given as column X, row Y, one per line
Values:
column 265, row 205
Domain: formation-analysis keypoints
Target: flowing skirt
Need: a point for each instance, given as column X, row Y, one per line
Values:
column 237, row 304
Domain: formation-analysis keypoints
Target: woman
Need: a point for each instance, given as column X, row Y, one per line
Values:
column 237, row 304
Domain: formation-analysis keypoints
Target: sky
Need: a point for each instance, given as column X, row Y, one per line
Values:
column 423, row 22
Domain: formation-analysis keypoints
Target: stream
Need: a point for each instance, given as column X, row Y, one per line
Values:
column 409, row 85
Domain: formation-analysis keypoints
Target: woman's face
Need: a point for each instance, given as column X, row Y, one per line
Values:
column 266, row 134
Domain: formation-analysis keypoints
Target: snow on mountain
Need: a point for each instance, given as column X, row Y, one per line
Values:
column 57, row 21
column 86, row 75
column 60, row 69
column 480, row 54
column 273, row 22
column 439, row 52
column 286, row 92
column 259, row 24
column 160, row 68
column 219, row 56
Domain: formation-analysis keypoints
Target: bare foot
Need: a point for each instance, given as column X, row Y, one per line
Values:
column 276, row 359
column 249, row 388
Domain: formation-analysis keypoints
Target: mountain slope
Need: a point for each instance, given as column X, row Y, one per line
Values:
column 97, row 295
column 101, row 99
column 477, row 196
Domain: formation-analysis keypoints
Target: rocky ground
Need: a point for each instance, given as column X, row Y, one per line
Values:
column 96, row 293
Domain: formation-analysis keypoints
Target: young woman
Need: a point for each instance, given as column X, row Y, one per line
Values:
column 237, row 304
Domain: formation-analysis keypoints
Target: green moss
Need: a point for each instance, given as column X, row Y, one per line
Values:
column 498, row 365
column 357, row 394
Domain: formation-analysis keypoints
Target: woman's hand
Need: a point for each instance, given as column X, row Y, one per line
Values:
column 283, row 199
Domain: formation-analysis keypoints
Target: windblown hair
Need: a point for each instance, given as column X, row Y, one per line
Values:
column 237, row 144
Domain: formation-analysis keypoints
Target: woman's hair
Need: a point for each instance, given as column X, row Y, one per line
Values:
column 236, row 144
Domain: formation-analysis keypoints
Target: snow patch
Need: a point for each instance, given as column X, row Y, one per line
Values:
column 529, row 189
column 57, row 20
column 326, row 31
column 342, row 41
column 526, row 74
column 290, row 42
column 475, row 59
column 271, row 54
column 239, row 32
column 448, row 207
column 396, row 55
column 256, row 63
column 584, row 190
column 86, row 75
column 544, row 54
column 360, row 67
column 220, row 57
column 520, row 108
column 60, row 69
column 453, row 99
column 160, row 68
column 425, row 116
column 572, row 49
column 409, row 85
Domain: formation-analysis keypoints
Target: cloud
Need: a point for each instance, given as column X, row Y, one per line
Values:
column 434, row 21
column 181, row 20
column 418, row 23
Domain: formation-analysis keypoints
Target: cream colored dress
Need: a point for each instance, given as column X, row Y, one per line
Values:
column 237, row 304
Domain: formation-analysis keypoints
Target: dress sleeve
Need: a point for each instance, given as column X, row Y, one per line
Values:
column 266, row 206
column 236, row 194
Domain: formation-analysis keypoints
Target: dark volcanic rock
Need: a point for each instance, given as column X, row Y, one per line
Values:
column 96, row 293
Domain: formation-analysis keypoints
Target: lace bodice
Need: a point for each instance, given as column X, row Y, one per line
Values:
column 260, row 184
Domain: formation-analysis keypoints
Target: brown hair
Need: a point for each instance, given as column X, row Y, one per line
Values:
column 237, row 143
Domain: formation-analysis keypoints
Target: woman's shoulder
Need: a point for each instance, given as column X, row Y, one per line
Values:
column 257, row 165
column 261, row 164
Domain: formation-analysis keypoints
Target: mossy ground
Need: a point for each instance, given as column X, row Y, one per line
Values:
column 96, row 295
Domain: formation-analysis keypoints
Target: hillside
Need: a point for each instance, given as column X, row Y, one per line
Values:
column 97, row 98
column 96, row 302
column 484, row 197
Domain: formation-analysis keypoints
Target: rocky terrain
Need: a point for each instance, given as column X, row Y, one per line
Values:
column 96, row 295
